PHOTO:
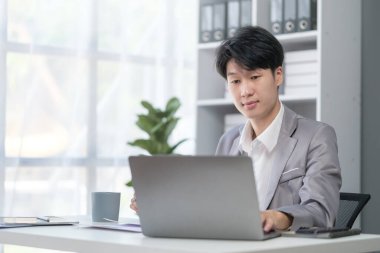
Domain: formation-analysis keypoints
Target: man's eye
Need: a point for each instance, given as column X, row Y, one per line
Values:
column 235, row 81
column 255, row 77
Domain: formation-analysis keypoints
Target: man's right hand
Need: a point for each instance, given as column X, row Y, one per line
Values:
column 275, row 220
column 133, row 204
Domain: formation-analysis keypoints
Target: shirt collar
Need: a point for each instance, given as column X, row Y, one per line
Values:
column 268, row 138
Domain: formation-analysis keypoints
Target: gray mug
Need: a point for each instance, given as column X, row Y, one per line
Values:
column 105, row 206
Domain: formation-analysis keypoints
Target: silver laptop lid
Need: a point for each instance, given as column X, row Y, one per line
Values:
column 210, row 197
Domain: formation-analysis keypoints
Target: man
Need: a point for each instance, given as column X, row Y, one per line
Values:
column 295, row 159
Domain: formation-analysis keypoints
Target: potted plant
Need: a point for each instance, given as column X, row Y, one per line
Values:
column 158, row 124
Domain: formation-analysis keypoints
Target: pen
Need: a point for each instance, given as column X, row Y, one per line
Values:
column 46, row 218
column 43, row 218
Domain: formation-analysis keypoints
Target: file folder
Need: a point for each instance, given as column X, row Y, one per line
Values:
column 306, row 15
column 206, row 16
column 219, row 29
column 245, row 13
column 290, row 15
column 233, row 17
column 276, row 16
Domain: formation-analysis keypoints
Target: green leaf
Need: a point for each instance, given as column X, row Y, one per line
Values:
column 176, row 145
column 163, row 148
column 129, row 183
column 146, row 123
column 153, row 112
column 172, row 106
column 158, row 126
column 147, row 145
column 169, row 127
column 148, row 106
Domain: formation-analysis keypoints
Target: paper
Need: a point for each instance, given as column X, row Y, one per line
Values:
column 130, row 224
column 114, row 226
column 12, row 222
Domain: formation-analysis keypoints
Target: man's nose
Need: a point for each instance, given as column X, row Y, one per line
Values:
column 246, row 89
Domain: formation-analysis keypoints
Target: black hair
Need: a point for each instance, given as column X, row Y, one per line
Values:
column 252, row 47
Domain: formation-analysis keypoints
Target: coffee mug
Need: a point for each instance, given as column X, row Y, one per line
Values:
column 105, row 206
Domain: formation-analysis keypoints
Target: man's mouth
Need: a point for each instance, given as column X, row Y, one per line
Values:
column 250, row 103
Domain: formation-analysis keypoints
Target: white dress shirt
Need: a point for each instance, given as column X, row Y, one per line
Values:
column 261, row 150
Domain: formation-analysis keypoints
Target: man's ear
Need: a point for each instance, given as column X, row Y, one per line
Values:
column 279, row 76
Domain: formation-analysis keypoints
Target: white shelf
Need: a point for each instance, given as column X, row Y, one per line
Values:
column 210, row 45
column 214, row 102
column 285, row 39
column 297, row 99
column 224, row 101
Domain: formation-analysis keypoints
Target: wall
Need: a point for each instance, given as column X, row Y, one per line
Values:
column 370, row 114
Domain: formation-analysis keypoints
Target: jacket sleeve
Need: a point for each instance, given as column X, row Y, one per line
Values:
column 319, row 193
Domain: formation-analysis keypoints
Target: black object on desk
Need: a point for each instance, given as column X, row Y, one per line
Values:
column 321, row 232
column 329, row 232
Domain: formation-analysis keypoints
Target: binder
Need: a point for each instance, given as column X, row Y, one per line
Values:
column 301, row 73
column 245, row 13
column 306, row 15
column 276, row 16
column 206, row 16
column 219, row 21
column 233, row 17
column 290, row 15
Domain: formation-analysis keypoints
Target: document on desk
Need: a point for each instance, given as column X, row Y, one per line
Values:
column 114, row 226
column 131, row 224
column 14, row 222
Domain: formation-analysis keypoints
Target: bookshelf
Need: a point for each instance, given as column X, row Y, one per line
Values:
column 336, row 99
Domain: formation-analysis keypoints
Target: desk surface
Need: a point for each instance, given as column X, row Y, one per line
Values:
column 79, row 239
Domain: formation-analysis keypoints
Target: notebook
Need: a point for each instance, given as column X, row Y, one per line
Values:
column 18, row 221
column 208, row 197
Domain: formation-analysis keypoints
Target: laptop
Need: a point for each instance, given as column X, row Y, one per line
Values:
column 207, row 197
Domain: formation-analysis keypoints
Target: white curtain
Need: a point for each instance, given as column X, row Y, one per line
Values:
column 72, row 75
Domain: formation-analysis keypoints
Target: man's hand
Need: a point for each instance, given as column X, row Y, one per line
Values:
column 275, row 220
column 133, row 204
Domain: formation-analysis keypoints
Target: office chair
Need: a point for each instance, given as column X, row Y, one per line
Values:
column 350, row 205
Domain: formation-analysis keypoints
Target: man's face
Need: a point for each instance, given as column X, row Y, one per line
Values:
column 255, row 92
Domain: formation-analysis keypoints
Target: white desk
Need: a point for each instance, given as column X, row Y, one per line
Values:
column 77, row 239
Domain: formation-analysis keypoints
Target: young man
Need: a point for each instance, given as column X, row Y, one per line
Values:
column 295, row 159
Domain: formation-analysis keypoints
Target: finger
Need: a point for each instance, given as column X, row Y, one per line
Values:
column 267, row 222
column 133, row 206
column 268, row 226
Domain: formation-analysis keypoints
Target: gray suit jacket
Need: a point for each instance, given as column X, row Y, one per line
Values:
column 306, row 176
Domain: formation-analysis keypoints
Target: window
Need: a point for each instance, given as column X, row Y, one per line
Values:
column 72, row 75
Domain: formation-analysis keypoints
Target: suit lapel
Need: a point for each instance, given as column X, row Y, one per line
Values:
column 285, row 147
column 235, row 150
